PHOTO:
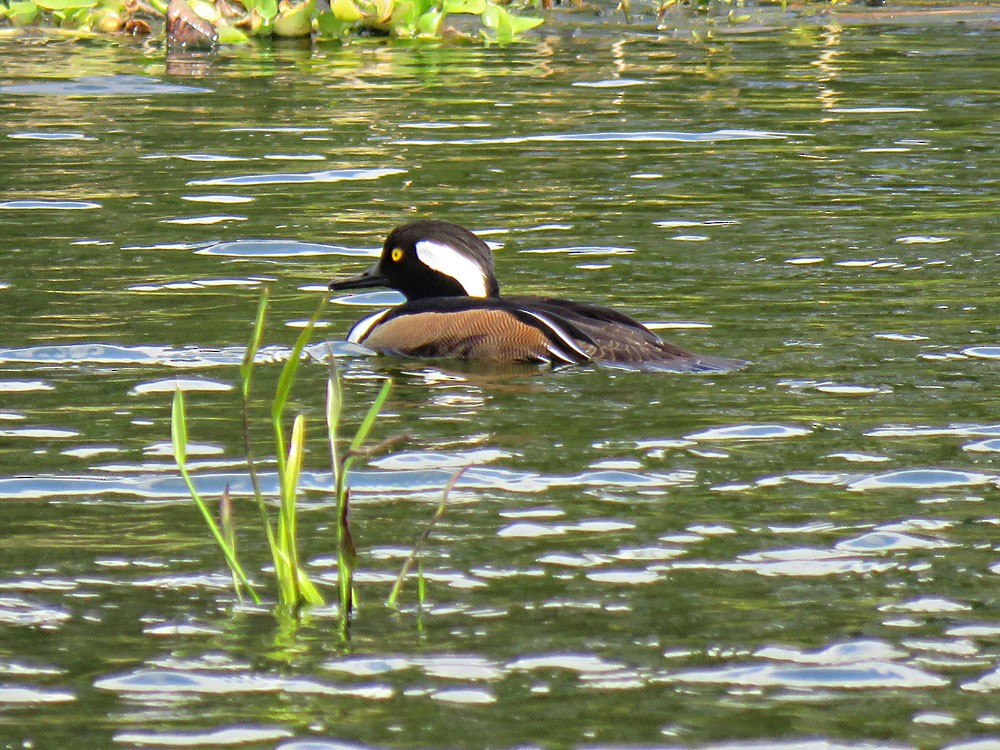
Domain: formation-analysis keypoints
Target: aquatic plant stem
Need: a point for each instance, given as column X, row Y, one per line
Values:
column 294, row 586
column 178, row 435
column 285, row 381
column 346, row 553
column 414, row 555
column 246, row 378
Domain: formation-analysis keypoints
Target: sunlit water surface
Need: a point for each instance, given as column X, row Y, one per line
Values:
column 799, row 554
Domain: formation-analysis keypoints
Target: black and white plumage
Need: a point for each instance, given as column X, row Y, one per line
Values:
column 453, row 308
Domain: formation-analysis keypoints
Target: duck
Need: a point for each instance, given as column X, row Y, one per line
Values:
column 453, row 309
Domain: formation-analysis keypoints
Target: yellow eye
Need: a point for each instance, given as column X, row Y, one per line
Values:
column 396, row 255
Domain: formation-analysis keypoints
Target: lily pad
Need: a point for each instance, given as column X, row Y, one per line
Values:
column 63, row 5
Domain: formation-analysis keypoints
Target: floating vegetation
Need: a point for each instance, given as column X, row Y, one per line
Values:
column 198, row 24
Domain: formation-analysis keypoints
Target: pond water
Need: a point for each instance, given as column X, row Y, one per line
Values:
column 803, row 553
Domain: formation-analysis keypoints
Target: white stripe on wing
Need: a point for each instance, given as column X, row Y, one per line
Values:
column 563, row 338
column 360, row 330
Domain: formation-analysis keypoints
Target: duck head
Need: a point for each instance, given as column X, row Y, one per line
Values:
column 430, row 259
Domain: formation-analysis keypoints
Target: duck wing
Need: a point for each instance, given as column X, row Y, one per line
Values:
column 607, row 335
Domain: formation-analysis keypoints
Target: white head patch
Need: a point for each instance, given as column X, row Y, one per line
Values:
column 449, row 261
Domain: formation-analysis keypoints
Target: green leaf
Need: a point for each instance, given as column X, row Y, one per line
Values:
column 72, row 18
column 256, row 338
column 232, row 35
column 328, row 25
column 294, row 20
column 22, row 12
column 334, row 407
column 524, row 23
column 289, row 574
column 178, row 439
column 475, row 7
column 346, row 11
column 491, row 15
column 286, row 378
column 308, row 591
column 178, row 427
column 267, row 8
column 507, row 27
column 369, row 421
column 429, row 22
column 63, row 5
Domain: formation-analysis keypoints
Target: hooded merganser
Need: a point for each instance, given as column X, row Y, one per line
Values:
column 453, row 308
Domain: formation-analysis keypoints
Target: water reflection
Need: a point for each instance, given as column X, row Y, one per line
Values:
column 802, row 550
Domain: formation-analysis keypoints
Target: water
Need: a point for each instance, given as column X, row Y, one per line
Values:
column 799, row 554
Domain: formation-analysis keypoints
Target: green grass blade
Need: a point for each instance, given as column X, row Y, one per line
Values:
column 334, row 408
column 246, row 376
column 418, row 546
column 286, row 379
column 228, row 528
column 421, row 583
column 346, row 553
column 178, row 437
column 371, row 416
column 178, row 427
column 310, row 594
column 287, row 526
column 297, row 587
column 253, row 346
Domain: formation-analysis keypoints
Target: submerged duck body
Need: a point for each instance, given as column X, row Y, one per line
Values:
column 453, row 309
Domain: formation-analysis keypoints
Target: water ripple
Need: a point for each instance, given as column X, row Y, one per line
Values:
column 859, row 675
column 204, row 220
column 971, row 430
column 639, row 136
column 429, row 480
column 24, row 386
column 988, row 683
column 35, row 205
column 21, row 695
column 586, row 250
column 982, row 352
column 291, row 178
column 839, row 653
column 583, row 664
column 183, row 384
column 18, row 611
column 921, row 479
column 114, row 85
column 611, row 83
column 749, row 432
column 211, row 738
column 983, row 446
column 113, row 354
column 887, row 541
column 278, row 249
column 169, row 682
column 806, row 564
column 319, row 743
column 33, row 136
column 466, row 696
